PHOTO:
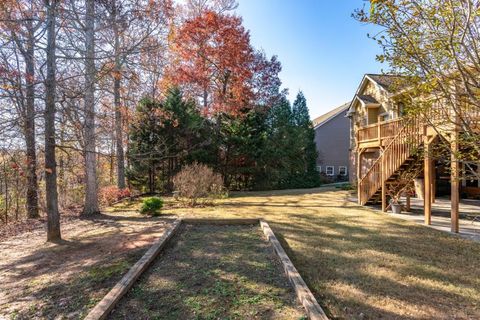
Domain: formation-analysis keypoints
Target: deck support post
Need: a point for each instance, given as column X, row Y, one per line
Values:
column 455, row 182
column 359, row 172
column 408, row 203
column 427, row 181
column 433, row 179
column 384, row 186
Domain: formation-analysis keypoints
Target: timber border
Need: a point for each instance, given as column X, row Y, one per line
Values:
column 303, row 293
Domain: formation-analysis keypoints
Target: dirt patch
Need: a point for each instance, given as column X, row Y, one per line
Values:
column 40, row 280
column 213, row 272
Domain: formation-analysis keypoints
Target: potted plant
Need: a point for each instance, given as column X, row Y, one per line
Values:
column 403, row 185
column 396, row 204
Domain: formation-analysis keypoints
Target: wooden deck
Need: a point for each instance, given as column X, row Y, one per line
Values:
column 399, row 141
column 379, row 134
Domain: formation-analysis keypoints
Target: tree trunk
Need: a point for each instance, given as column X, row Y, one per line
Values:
column 91, row 194
column 117, row 78
column 6, row 190
column 29, row 127
column 51, row 194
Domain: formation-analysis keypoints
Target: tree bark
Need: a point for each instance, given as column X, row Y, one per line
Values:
column 53, row 215
column 29, row 126
column 91, row 192
column 117, row 78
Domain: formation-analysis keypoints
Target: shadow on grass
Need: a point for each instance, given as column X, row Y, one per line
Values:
column 364, row 264
column 213, row 272
column 68, row 277
column 387, row 270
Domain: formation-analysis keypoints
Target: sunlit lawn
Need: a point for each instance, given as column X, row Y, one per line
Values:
column 360, row 263
column 213, row 272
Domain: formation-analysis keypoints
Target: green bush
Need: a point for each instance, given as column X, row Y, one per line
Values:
column 346, row 186
column 151, row 206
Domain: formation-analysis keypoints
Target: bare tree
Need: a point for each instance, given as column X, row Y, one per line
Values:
column 197, row 7
column 22, row 23
column 91, row 192
column 53, row 223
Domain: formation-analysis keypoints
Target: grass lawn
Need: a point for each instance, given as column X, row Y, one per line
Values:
column 213, row 272
column 361, row 264
column 41, row 280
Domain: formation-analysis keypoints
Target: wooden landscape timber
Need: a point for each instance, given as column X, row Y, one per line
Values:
column 103, row 308
column 303, row 293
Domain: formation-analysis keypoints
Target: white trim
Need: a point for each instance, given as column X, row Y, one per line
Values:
column 319, row 169
column 340, row 170
column 330, row 167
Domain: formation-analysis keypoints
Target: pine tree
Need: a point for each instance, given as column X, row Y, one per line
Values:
column 144, row 149
column 280, row 157
column 305, row 133
column 300, row 113
column 163, row 137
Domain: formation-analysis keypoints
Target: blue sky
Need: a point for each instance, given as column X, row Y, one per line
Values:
column 323, row 50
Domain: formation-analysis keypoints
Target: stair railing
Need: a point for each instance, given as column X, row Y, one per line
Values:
column 399, row 149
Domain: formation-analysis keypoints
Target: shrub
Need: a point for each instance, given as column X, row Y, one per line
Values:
column 151, row 206
column 346, row 187
column 111, row 194
column 197, row 181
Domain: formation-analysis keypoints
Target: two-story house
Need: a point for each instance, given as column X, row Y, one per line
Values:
column 332, row 140
column 390, row 152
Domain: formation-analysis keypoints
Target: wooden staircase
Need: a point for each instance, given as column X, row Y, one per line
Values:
column 400, row 154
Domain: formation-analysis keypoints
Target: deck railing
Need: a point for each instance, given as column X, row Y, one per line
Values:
column 403, row 143
column 440, row 117
column 380, row 130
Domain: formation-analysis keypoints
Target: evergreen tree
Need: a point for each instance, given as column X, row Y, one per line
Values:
column 243, row 141
column 280, row 158
column 305, row 133
column 163, row 137
column 300, row 113
column 145, row 147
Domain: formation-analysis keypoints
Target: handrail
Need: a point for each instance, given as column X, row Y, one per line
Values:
column 393, row 156
column 387, row 147
column 377, row 130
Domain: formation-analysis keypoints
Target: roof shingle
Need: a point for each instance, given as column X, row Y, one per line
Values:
column 367, row 99
column 389, row 82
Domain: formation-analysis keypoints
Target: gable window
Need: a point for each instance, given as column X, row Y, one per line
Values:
column 330, row 170
column 342, row 170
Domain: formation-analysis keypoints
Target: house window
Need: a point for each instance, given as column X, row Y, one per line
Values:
column 330, row 170
column 384, row 117
column 342, row 170
column 319, row 168
column 401, row 109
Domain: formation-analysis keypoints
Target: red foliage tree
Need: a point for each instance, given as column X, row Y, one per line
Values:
column 215, row 63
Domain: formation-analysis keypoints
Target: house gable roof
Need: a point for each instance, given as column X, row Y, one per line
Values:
column 367, row 99
column 319, row 121
column 386, row 82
